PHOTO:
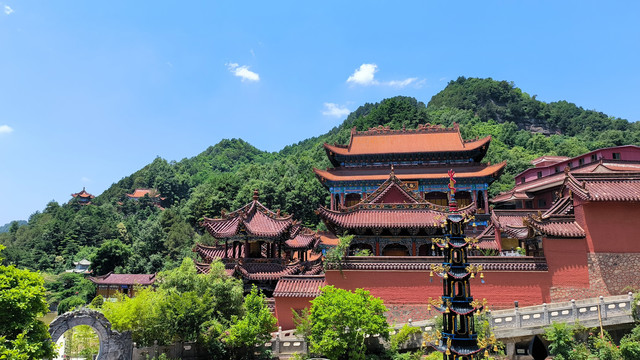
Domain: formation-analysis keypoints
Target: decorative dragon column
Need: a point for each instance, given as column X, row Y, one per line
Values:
column 457, row 339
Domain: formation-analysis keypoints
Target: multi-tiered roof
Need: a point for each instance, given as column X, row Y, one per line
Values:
column 260, row 246
column 83, row 197
column 416, row 153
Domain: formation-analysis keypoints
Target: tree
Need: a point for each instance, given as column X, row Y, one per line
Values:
column 22, row 301
column 111, row 254
column 341, row 320
column 254, row 328
column 561, row 340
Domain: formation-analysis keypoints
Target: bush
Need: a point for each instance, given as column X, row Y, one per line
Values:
column 560, row 336
column 70, row 303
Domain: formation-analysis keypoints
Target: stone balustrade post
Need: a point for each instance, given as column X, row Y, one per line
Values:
column 574, row 310
column 492, row 324
column 631, row 303
column 545, row 314
column 518, row 317
column 603, row 308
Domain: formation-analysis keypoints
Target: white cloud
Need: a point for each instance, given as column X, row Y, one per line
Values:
column 364, row 75
column 8, row 10
column 401, row 83
column 243, row 72
column 5, row 129
column 85, row 179
column 331, row 109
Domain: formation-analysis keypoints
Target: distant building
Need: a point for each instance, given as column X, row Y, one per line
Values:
column 83, row 197
column 110, row 284
column 152, row 194
column 82, row 267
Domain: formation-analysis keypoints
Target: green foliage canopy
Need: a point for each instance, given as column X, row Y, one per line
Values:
column 341, row 320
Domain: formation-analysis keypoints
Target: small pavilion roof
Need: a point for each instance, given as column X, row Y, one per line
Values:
column 139, row 193
column 124, row 279
column 623, row 186
column 299, row 286
column 83, row 194
column 425, row 139
column 83, row 262
column 305, row 239
column 558, row 221
column 255, row 220
column 487, row 239
column 409, row 172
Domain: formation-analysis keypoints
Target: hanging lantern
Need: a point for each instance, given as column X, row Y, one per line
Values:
column 495, row 348
column 433, row 247
column 446, row 276
column 448, row 352
column 482, row 278
column 486, row 353
column 473, row 276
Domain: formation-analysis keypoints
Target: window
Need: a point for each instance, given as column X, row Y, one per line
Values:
column 528, row 204
column 570, row 165
column 594, row 157
column 542, row 203
column 522, row 180
column 580, row 162
column 539, row 174
column 616, row 156
column 557, row 169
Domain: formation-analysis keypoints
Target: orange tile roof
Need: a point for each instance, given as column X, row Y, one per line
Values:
column 408, row 173
column 138, row 193
column 427, row 138
column 83, row 194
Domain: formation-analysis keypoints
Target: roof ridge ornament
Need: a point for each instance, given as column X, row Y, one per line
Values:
column 256, row 194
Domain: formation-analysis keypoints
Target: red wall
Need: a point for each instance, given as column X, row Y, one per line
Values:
column 283, row 310
column 609, row 226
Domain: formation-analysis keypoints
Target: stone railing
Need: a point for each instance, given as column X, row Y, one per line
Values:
column 589, row 312
column 508, row 323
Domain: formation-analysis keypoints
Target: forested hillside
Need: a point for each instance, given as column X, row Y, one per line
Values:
column 143, row 238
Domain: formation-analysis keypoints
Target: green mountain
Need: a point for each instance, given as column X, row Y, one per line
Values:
column 6, row 227
column 224, row 175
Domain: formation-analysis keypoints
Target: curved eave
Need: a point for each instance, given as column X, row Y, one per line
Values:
column 492, row 171
column 480, row 146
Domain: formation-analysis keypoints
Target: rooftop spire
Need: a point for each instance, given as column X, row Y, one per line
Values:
column 256, row 194
column 453, row 205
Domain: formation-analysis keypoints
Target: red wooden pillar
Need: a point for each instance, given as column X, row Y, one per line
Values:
column 486, row 202
column 225, row 249
column 377, row 248
column 413, row 249
column 333, row 201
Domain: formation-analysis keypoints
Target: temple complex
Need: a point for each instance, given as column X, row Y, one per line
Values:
column 564, row 232
column 421, row 158
column 260, row 246
column 83, row 197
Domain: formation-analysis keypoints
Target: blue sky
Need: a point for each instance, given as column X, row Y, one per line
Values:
column 92, row 91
